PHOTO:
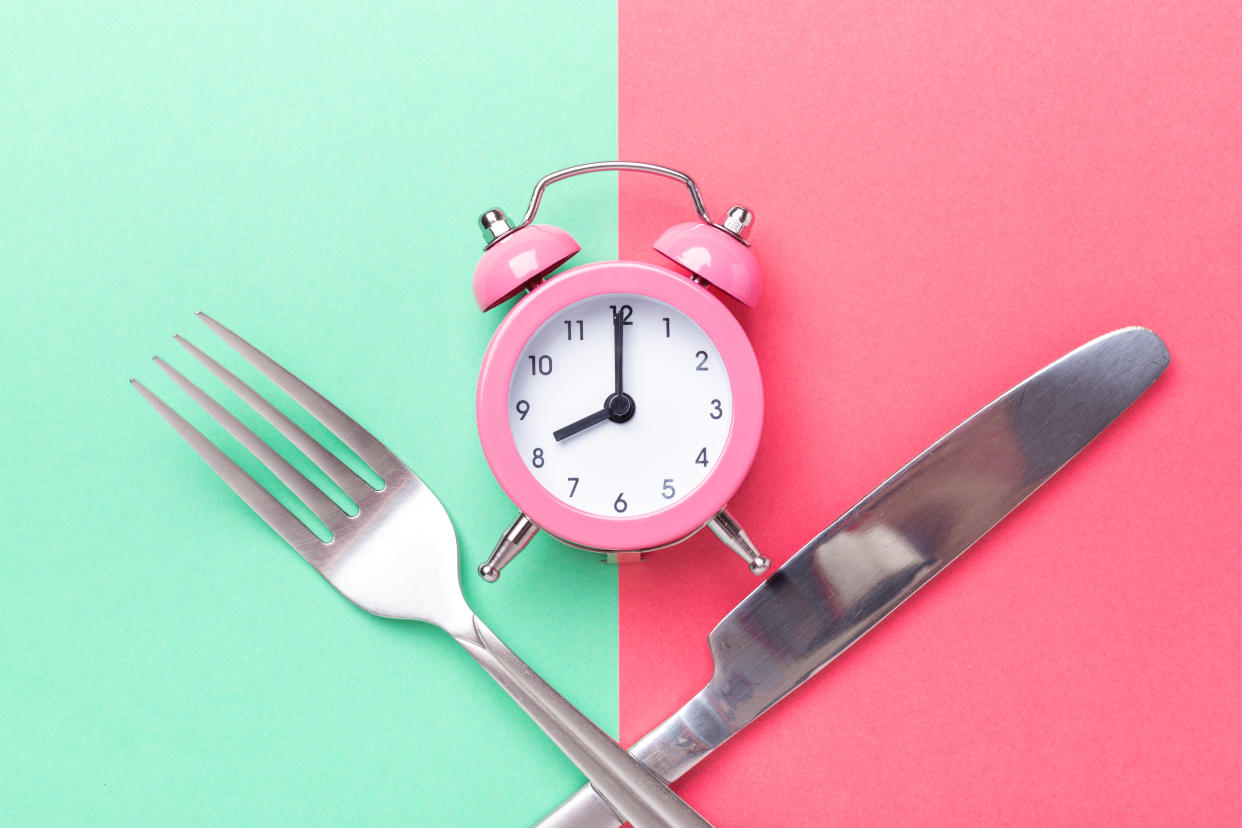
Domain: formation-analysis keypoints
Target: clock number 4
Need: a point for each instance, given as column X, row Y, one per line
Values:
column 702, row 458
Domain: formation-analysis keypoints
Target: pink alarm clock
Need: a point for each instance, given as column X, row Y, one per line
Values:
column 619, row 403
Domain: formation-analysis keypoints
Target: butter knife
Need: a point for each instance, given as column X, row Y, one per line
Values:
column 891, row 543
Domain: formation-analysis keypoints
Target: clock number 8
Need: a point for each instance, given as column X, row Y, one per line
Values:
column 536, row 458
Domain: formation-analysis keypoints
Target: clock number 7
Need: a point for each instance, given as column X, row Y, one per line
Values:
column 573, row 488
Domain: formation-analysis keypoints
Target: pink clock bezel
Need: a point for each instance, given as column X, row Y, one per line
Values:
column 654, row 529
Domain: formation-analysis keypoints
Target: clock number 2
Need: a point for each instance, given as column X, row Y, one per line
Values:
column 702, row 355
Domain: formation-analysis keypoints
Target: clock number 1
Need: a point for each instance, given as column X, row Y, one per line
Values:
column 667, row 328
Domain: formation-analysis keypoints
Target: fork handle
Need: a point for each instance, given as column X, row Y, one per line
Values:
column 630, row 788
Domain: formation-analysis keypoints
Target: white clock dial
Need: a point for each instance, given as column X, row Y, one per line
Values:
column 627, row 456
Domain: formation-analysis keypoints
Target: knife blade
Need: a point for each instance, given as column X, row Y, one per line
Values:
column 880, row 552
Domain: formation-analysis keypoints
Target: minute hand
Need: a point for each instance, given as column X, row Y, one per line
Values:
column 879, row 553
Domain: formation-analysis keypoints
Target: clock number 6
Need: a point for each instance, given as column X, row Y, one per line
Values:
column 619, row 504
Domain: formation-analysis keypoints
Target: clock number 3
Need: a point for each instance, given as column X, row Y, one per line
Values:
column 717, row 411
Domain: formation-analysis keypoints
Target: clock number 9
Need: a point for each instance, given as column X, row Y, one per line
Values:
column 536, row 458
column 523, row 408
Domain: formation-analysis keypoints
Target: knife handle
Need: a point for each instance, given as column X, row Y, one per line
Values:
column 669, row 750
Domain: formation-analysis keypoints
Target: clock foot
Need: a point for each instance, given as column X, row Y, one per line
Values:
column 732, row 535
column 512, row 542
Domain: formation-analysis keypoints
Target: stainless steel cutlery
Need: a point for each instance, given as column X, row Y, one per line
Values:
column 891, row 543
column 397, row 557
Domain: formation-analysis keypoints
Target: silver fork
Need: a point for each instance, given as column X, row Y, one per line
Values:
column 397, row 557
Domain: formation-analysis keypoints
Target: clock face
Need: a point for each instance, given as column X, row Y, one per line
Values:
column 620, row 454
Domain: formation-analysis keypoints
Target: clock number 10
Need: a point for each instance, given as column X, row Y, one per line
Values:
column 540, row 365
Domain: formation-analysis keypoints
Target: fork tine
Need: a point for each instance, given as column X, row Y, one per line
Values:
column 372, row 451
column 318, row 502
column 257, row 497
column 339, row 473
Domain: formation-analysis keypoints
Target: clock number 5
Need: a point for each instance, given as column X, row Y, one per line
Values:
column 668, row 492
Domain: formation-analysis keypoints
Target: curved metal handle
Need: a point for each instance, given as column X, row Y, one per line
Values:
column 624, row 783
column 613, row 166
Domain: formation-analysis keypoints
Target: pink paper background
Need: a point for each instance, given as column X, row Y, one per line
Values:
column 948, row 197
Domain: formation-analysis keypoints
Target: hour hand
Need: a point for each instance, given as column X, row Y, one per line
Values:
column 586, row 422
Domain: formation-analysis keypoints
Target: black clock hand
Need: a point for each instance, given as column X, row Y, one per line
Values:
column 585, row 423
column 618, row 330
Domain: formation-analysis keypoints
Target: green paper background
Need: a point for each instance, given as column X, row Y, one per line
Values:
column 310, row 175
